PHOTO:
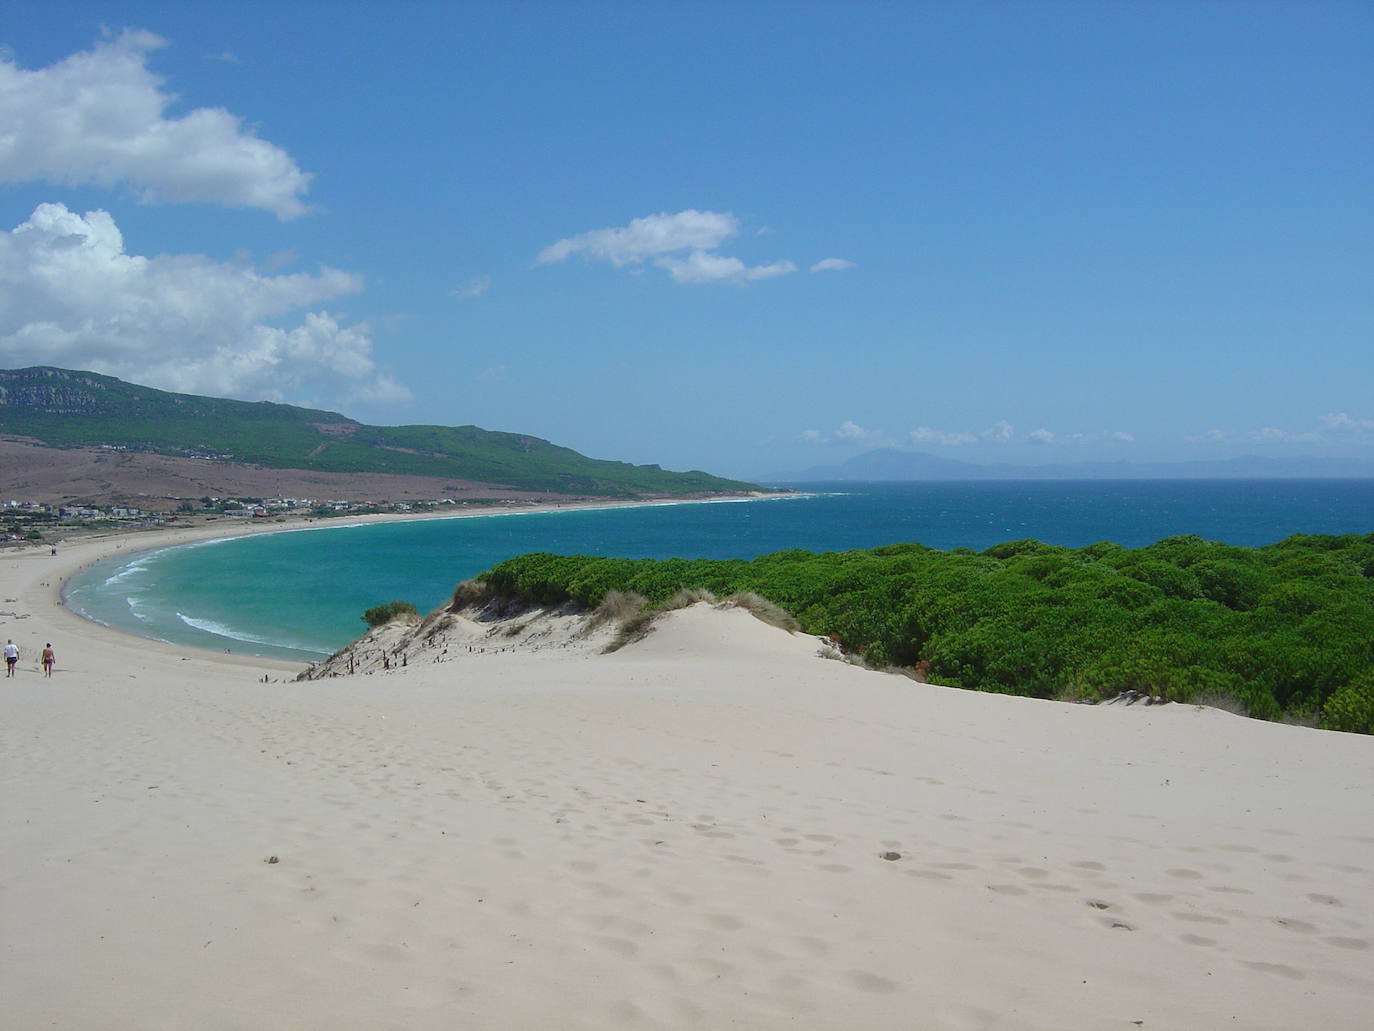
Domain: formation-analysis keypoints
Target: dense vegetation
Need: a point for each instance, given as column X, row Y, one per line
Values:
column 1284, row 630
column 62, row 408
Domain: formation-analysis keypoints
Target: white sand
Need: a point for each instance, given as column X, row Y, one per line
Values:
column 688, row 833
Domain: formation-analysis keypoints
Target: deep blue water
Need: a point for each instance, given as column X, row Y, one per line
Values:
column 300, row 594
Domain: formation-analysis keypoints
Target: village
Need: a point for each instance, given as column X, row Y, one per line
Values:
column 39, row 522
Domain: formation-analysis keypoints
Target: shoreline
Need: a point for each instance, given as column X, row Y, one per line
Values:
column 98, row 546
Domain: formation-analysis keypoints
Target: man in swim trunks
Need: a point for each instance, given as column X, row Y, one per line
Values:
column 11, row 657
column 49, row 657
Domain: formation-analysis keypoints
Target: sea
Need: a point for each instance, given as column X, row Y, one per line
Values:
column 299, row 594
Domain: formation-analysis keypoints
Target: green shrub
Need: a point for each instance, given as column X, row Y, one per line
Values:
column 380, row 615
column 1351, row 708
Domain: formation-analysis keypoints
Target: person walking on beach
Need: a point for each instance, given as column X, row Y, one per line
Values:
column 49, row 657
column 11, row 657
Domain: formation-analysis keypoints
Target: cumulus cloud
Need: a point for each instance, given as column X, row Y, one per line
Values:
column 70, row 295
column 848, row 433
column 851, row 432
column 100, row 117
column 682, row 244
column 832, row 265
column 999, row 432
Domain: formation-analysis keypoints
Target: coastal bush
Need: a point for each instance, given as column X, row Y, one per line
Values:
column 380, row 615
column 1285, row 629
column 1351, row 708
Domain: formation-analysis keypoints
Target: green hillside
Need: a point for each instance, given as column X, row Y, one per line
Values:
column 63, row 408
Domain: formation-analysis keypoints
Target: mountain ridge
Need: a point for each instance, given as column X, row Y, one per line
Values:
column 67, row 409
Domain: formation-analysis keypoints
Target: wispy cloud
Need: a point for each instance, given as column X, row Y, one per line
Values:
column 1339, row 422
column 100, row 117
column 1044, row 436
column 1000, row 432
column 1335, row 426
column 471, row 288
column 924, row 435
column 832, row 265
column 704, row 267
column 682, row 244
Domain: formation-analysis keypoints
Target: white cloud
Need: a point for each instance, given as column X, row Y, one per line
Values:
column 1342, row 423
column 926, row 435
column 832, row 265
column 71, row 296
column 100, row 117
column 661, row 239
column 852, row 433
column 471, row 288
column 646, row 237
column 1336, row 426
column 1044, row 436
column 1000, row 432
column 848, row 433
column 1272, row 435
column 703, row 267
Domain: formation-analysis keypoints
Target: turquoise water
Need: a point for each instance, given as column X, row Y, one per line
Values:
column 299, row 594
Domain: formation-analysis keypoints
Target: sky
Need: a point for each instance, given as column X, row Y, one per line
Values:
column 741, row 237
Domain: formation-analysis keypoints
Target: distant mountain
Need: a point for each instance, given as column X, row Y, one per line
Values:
column 61, row 408
column 894, row 464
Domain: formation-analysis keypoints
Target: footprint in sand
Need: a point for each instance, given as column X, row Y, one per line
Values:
column 1301, row 926
column 1347, row 943
column 1197, row 939
column 865, row 981
column 1199, row 918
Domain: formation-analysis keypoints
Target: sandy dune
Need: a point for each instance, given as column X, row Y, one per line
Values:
column 711, row 828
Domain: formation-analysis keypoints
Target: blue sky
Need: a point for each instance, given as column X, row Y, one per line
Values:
column 744, row 237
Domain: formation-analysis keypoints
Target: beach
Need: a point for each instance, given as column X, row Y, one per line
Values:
column 713, row 827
